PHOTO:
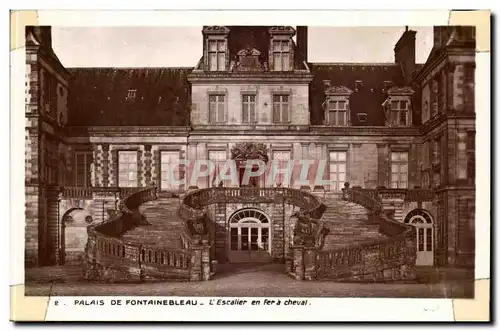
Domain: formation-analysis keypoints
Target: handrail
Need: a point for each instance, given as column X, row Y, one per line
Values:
column 104, row 245
column 369, row 261
column 193, row 203
column 105, row 249
column 408, row 195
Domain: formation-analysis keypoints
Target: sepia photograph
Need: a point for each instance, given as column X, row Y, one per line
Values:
column 250, row 161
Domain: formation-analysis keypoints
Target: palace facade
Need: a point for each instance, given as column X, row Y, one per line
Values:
column 398, row 127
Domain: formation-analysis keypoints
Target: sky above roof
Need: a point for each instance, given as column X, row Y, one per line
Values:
column 182, row 46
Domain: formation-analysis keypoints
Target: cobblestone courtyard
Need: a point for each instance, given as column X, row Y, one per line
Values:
column 254, row 280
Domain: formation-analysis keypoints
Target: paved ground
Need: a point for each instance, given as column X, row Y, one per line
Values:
column 254, row 280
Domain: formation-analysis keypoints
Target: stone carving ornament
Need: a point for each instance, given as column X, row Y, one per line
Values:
column 250, row 151
column 309, row 231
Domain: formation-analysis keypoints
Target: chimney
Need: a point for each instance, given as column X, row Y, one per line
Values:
column 404, row 53
column 302, row 42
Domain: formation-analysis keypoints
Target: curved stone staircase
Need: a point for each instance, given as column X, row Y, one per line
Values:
column 165, row 224
column 348, row 223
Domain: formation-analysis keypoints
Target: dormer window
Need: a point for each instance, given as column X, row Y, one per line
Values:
column 281, row 55
column 401, row 108
column 131, row 95
column 281, row 50
column 362, row 117
column 216, row 51
column 217, row 55
column 398, row 106
column 337, row 112
column 336, row 104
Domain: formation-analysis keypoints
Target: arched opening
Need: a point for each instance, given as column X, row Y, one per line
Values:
column 424, row 225
column 74, row 223
column 249, row 236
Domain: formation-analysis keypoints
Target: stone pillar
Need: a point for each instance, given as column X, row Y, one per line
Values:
column 105, row 165
column 298, row 262
column 191, row 157
column 205, row 261
column 148, row 161
column 278, row 229
column 220, row 233
column 98, row 165
column 195, row 268
column 309, row 263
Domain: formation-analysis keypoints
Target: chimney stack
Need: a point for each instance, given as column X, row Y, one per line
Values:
column 302, row 42
column 404, row 53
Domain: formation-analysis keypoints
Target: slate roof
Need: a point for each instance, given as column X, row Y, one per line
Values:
column 367, row 98
column 98, row 96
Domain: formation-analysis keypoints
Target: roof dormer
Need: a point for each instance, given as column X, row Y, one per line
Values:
column 281, row 50
column 398, row 107
column 216, row 51
column 336, row 105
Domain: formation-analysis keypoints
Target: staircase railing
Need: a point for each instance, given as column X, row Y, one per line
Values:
column 388, row 259
column 110, row 258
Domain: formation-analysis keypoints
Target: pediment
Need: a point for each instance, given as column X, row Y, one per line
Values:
column 287, row 30
column 338, row 90
column 405, row 90
column 248, row 60
column 215, row 29
column 249, row 52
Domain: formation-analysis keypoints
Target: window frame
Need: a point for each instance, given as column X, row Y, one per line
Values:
column 217, row 94
column 217, row 52
column 176, row 172
column 281, row 103
column 337, row 110
column 87, row 167
column 248, row 103
column 399, row 163
column 280, row 52
column 400, row 110
column 118, row 172
column 337, row 163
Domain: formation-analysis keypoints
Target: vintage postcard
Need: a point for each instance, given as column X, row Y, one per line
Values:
column 281, row 172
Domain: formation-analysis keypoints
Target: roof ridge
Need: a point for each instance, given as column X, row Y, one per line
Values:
column 129, row 68
column 355, row 63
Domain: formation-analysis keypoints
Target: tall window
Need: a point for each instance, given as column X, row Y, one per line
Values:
column 400, row 111
column 462, row 155
column 83, row 163
column 436, row 151
column 338, row 168
column 434, row 98
column 281, row 162
column 127, row 169
column 217, row 55
column 216, row 108
column 281, row 108
column 399, row 169
column 170, row 172
column 248, row 108
column 281, row 55
column 471, row 156
column 337, row 112
column 219, row 159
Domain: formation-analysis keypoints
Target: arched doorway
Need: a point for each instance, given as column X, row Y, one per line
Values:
column 74, row 223
column 249, row 236
column 423, row 223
